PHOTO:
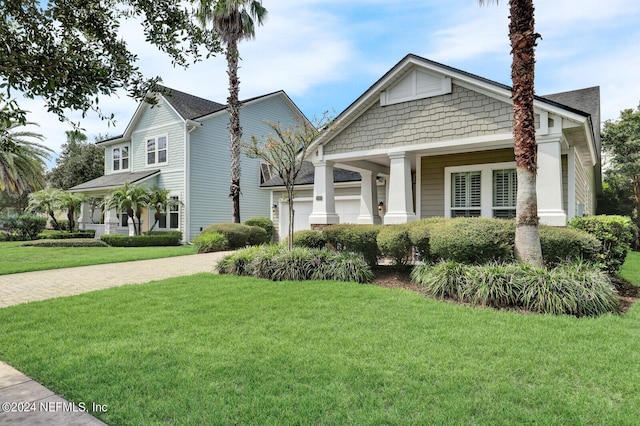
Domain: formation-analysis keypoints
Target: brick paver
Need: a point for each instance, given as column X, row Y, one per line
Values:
column 41, row 285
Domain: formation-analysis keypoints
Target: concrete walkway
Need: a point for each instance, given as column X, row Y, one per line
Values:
column 26, row 402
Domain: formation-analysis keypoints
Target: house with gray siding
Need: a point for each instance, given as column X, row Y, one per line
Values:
column 181, row 143
column 430, row 140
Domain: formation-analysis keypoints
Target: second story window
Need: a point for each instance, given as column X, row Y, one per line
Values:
column 157, row 150
column 120, row 156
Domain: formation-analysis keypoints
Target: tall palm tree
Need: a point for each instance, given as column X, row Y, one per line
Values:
column 130, row 198
column 233, row 21
column 523, row 42
column 46, row 201
column 22, row 161
column 159, row 199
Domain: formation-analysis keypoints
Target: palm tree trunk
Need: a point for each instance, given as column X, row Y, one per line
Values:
column 523, row 41
column 234, row 126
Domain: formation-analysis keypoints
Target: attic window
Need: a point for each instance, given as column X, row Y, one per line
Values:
column 417, row 84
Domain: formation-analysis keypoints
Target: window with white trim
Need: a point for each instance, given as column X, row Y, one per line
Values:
column 120, row 157
column 505, row 189
column 171, row 218
column 487, row 190
column 465, row 194
column 156, row 150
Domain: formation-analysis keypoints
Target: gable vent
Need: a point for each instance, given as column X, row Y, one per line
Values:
column 417, row 84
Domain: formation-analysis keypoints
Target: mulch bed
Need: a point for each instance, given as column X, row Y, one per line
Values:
column 394, row 277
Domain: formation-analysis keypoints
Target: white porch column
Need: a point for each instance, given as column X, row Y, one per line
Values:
column 368, row 198
column 549, row 183
column 111, row 221
column 324, row 203
column 85, row 215
column 400, row 201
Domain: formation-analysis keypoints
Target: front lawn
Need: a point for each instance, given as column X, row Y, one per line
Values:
column 15, row 258
column 215, row 349
column 630, row 270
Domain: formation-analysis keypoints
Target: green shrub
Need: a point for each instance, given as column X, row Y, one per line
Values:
column 164, row 239
column 277, row 263
column 70, row 242
column 307, row 238
column 264, row 223
column 174, row 234
column 419, row 232
column 60, row 235
column 23, row 227
column 578, row 289
column 257, row 236
column 210, row 241
column 355, row 238
column 63, row 225
column 615, row 233
column 237, row 234
column 561, row 245
column 394, row 242
column 471, row 240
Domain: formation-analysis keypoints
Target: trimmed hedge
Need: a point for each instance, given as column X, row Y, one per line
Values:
column 236, row 234
column 173, row 238
column 71, row 242
column 63, row 235
column 308, row 239
column 615, row 233
column 208, row 242
column 355, row 238
column 562, row 245
column 394, row 242
column 264, row 223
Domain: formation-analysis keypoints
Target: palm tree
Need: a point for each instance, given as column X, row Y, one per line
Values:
column 71, row 203
column 130, row 198
column 159, row 199
column 46, row 201
column 523, row 42
column 233, row 21
column 22, row 161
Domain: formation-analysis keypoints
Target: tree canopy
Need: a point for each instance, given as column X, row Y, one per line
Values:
column 79, row 162
column 621, row 139
column 69, row 52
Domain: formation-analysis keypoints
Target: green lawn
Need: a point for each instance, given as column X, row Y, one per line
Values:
column 15, row 258
column 631, row 268
column 212, row 349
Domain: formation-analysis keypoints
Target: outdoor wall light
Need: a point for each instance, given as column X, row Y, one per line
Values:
column 380, row 206
column 274, row 208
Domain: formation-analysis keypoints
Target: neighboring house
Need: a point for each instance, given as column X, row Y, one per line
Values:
column 430, row 140
column 182, row 144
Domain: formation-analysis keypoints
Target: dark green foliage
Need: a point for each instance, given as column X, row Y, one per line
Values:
column 60, row 235
column 355, row 238
column 164, row 239
column 237, row 234
column 257, row 236
column 419, row 232
column 394, row 242
column 309, row 239
column 578, row 289
column 79, row 162
column 615, row 233
column 23, row 227
column 71, row 242
column 561, row 245
column 264, row 223
column 208, row 242
column 61, row 225
column 277, row 263
column 472, row 240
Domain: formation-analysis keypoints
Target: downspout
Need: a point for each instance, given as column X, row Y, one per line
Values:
column 189, row 127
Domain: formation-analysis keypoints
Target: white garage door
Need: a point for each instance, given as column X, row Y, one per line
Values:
column 347, row 209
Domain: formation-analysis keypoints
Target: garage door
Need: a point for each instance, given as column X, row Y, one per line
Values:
column 347, row 209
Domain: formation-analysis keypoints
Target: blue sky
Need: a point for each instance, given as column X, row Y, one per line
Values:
column 325, row 53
